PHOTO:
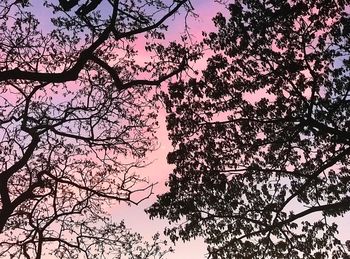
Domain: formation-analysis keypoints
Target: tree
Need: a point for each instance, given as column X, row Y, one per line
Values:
column 77, row 117
column 262, row 139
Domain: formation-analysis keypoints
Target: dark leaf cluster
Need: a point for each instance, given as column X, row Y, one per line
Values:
column 262, row 138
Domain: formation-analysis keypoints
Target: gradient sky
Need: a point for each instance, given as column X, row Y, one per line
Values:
column 158, row 171
column 134, row 216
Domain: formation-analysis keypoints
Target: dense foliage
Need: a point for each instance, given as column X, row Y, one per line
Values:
column 76, row 118
column 262, row 139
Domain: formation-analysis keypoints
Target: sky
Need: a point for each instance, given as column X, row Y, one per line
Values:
column 158, row 171
column 134, row 216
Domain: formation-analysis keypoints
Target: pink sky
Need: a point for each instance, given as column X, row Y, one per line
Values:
column 134, row 216
column 158, row 171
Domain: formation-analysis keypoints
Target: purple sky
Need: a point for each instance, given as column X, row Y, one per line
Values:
column 134, row 216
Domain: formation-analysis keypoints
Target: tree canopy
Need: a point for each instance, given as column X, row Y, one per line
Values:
column 77, row 117
column 262, row 139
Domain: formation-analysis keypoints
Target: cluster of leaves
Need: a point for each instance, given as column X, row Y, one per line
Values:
column 77, row 117
column 262, row 139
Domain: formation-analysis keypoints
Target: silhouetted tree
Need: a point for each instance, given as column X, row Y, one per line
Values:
column 77, row 117
column 262, row 139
